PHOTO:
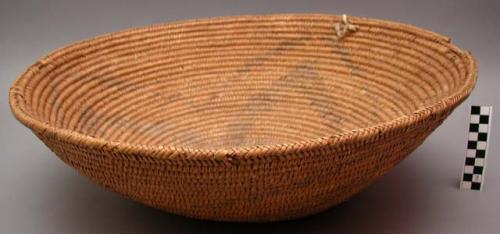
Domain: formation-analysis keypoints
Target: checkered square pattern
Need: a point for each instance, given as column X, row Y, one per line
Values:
column 477, row 146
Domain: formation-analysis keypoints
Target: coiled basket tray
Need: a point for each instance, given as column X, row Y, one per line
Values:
column 247, row 118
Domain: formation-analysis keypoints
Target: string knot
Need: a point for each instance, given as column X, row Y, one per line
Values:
column 345, row 27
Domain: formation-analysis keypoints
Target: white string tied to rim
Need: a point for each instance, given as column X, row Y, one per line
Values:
column 345, row 27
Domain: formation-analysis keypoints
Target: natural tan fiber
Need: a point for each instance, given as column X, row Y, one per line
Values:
column 248, row 118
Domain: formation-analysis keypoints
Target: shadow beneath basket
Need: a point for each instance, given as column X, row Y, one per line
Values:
column 392, row 204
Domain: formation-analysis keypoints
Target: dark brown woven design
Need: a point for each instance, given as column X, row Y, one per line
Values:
column 248, row 118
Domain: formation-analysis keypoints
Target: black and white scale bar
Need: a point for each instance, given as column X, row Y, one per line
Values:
column 477, row 148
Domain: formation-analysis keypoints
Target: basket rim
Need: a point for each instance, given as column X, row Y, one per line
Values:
column 245, row 152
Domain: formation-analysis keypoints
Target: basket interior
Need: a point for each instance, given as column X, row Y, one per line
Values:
column 243, row 81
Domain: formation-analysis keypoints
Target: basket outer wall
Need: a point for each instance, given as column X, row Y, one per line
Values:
column 280, row 187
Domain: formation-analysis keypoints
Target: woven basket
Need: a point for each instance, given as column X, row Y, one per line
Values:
column 248, row 118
